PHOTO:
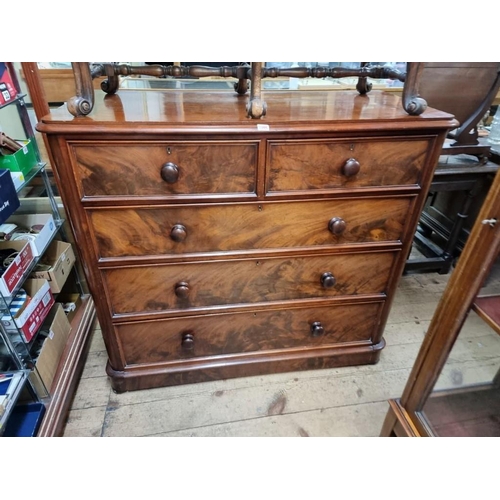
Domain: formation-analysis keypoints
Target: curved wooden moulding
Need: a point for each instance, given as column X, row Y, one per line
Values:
column 363, row 87
column 256, row 107
column 413, row 104
column 112, row 82
column 242, row 365
column 83, row 102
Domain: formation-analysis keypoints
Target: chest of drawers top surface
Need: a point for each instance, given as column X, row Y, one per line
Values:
column 198, row 112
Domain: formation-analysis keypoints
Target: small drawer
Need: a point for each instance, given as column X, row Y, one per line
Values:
column 200, row 284
column 305, row 165
column 179, row 229
column 184, row 338
column 117, row 169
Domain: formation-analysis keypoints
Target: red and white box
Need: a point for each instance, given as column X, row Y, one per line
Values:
column 7, row 89
column 33, row 315
column 17, row 269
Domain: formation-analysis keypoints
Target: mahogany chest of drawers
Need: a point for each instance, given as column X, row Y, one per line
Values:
column 216, row 246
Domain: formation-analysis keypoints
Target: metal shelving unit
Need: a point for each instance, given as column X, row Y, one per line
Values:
column 16, row 357
column 12, row 398
column 50, row 404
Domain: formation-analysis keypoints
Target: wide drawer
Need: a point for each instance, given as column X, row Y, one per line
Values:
column 305, row 165
column 200, row 284
column 178, row 229
column 117, row 169
column 181, row 338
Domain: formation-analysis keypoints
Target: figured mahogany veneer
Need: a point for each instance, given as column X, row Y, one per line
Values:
column 163, row 340
column 216, row 246
column 304, row 165
column 198, row 284
column 246, row 226
column 133, row 170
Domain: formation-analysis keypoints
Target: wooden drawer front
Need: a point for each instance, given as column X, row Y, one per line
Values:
column 183, row 286
column 136, row 170
column 167, row 340
column 149, row 231
column 307, row 165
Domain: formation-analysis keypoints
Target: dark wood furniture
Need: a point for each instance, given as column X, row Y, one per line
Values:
column 422, row 412
column 466, row 90
column 456, row 194
column 216, row 246
column 464, row 174
column 247, row 76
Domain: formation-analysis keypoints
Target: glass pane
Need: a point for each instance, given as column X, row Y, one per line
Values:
column 466, row 396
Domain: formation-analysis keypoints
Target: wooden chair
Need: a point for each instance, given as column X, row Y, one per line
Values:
column 467, row 90
column 460, row 183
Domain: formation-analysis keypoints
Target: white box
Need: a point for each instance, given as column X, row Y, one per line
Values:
column 43, row 237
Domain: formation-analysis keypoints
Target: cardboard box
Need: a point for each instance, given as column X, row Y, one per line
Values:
column 44, row 235
column 32, row 316
column 58, row 328
column 9, row 201
column 22, row 161
column 7, row 89
column 71, row 302
column 17, row 269
column 60, row 257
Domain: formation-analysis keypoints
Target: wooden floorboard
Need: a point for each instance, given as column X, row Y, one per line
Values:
column 363, row 420
column 350, row 401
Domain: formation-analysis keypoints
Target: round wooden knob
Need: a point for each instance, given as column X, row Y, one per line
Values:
column 328, row 280
column 170, row 173
column 337, row 226
column 187, row 341
column 351, row 167
column 317, row 329
column 178, row 233
column 182, row 290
